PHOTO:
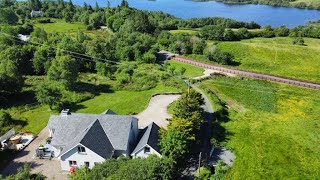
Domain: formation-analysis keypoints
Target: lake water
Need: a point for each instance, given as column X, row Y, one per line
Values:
column 262, row 14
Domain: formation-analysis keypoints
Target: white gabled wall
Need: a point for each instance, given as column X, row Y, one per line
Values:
column 141, row 154
column 81, row 158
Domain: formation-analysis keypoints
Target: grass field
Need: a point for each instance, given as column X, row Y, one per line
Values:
column 186, row 31
column 191, row 71
column 33, row 118
column 122, row 102
column 59, row 25
column 277, row 56
column 273, row 129
column 314, row 3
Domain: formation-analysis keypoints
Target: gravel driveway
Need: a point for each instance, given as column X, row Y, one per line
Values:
column 156, row 111
column 51, row 169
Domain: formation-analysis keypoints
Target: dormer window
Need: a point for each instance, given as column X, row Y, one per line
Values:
column 146, row 149
column 81, row 149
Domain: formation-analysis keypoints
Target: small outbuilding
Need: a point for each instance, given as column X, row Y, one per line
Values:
column 36, row 13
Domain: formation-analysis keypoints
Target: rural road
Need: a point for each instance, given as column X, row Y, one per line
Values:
column 205, row 135
column 247, row 73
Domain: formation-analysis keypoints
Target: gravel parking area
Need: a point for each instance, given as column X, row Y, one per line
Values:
column 157, row 111
column 50, row 168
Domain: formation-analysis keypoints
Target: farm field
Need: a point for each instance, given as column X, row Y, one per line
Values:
column 273, row 129
column 277, row 56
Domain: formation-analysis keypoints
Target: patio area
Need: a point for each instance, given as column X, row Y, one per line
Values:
column 50, row 168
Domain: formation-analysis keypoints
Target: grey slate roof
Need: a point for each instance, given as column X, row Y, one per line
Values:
column 109, row 111
column 7, row 135
column 95, row 139
column 70, row 128
column 150, row 136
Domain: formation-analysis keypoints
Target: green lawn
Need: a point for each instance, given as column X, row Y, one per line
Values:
column 61, row 26
column 273, row 129
column 191, row 71
column 122, row 102
column 277, row 56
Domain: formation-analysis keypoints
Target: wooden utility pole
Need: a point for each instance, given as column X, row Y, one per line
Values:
column 189, row 86
column 199, row 165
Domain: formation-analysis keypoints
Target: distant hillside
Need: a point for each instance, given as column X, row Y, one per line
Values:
column 312, row 4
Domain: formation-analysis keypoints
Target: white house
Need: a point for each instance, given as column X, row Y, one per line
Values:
column 148, row 144
column 87, row 139
column 36, row 13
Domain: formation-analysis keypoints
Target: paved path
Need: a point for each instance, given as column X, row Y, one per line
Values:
column 208, row 72
column 157, row 111
column 246, row 73
column 51, row 169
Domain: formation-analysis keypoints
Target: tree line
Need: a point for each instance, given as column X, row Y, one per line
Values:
column 273, row 3
column 137, row 37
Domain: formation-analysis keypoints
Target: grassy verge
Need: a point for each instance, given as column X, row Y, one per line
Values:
column 272, row 128
column 191, row 71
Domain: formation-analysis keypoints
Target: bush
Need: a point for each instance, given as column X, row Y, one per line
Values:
column 44, row 21
column 203, row 174
column 214, row 142
column 5, row 119
column 125, row 168
column 298, row 41
column 218, row 56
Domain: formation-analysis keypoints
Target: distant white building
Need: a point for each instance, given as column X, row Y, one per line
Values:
column 36, row 13
column 23, row 37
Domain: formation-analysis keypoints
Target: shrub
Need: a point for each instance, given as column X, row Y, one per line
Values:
column 203, row 174
column 298, row 41
column 44, row 21
column 5, row 119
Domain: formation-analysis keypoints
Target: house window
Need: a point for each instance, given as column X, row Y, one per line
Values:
column 146, row 149
column 87, row 164
column 72, row 163
column 81, row 149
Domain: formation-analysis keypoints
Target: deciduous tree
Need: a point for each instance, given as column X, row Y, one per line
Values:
column 64, row 69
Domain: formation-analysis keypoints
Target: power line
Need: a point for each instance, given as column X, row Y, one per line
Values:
column 105, row 60
column 89, row 58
